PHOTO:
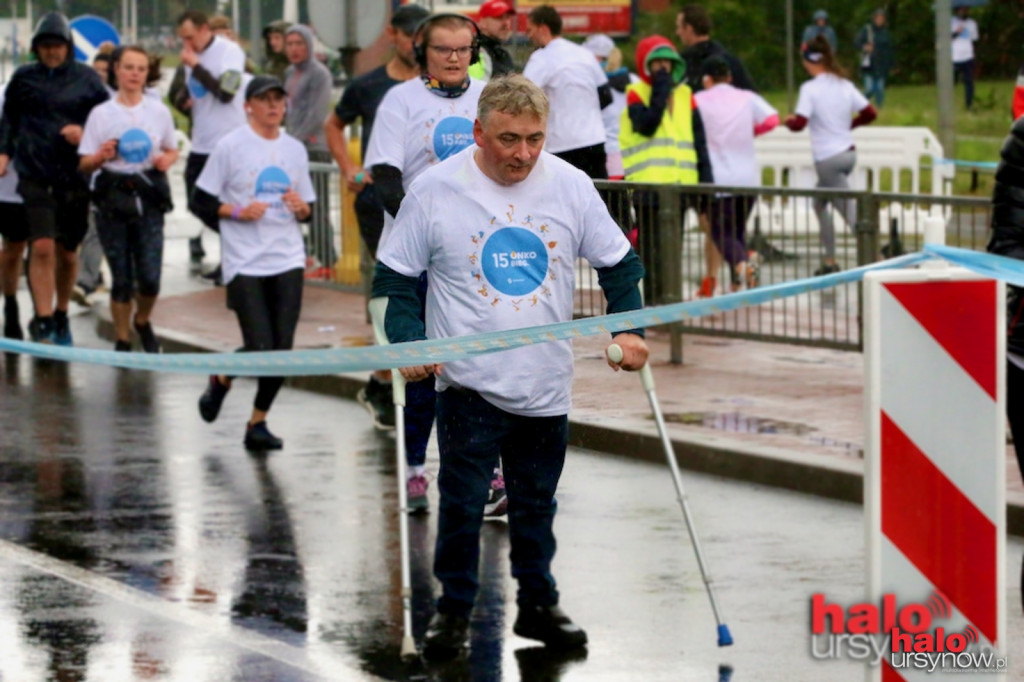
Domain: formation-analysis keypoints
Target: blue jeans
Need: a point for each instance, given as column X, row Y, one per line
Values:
column 472, row 434
column 874, row 86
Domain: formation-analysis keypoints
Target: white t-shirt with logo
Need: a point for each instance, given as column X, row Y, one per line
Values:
column 829, row 103
column 9, row 182
column 569, row 75
column 730, row 116
column 415, row 129
column 142, row 132
column 211, row 118
column 503, row 257
column 245, row 167
column 965, row 32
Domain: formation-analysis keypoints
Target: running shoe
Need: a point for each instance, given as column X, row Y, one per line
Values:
column 826, row 269
column 62, row 329
column 416, row 494
column 497, row 500
column 40, row 330
column 378, row 400
column 212, row 399
column 707, row 287
column 12, row 327
column 150, row 343
column 258, row 437
column 122, row 346
column 551, row 625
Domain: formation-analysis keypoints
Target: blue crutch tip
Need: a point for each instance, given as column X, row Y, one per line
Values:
column 724, row 638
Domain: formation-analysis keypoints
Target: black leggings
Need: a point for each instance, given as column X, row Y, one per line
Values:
column 135, row 252
column 1015, row 409
column 268, row 312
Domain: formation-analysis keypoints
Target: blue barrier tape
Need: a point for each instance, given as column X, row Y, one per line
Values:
column 332, row 361
column 987, row 165
column 1009, row 270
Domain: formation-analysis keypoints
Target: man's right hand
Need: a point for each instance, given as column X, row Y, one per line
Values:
column 4, row 160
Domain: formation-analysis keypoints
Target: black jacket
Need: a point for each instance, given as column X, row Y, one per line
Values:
column 1008, row 226
column 696, row 55
column 501, row 60
column 39, row 102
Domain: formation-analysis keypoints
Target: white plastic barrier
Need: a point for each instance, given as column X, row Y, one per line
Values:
column 884, row 156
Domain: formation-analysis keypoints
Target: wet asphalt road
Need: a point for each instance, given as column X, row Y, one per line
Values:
column 138, row 542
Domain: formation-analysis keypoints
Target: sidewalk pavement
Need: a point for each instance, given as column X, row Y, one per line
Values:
column 786, row 416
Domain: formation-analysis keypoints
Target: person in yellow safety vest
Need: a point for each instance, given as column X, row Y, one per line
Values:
column 662, row 141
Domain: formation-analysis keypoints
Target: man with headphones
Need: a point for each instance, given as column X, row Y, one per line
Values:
column 422, row 122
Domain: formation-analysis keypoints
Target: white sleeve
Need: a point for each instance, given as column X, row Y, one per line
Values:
column 857, row 99
column 232, row 59
column 600, row 77
column 407, row 248
column 91, row 141
column 167, row 138
column 534, row 69
column 602, row 242
column 387, row 140
column 762, row 110
column 305, row 182
column 215, row 172
column 805, row 102
column 972, row 30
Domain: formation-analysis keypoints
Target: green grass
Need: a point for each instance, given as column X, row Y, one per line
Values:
column 979, row 132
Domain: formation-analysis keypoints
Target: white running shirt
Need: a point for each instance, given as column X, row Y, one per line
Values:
column 211, row 118
column 730, row 116
column 143, row 132
column 829, row 104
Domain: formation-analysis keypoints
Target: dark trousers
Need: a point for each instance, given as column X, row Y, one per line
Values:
column 472, row 434
column 965, row 71
column 268, row 312
column 193, row 169
column 591, row 160
column 728, row 218
column 1015, row 409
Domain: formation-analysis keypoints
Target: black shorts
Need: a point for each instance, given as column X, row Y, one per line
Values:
column 13, row 222
column 55, row 212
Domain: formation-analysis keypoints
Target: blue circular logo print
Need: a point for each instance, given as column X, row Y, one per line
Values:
column 134, row 146
column 515, row 261
column 451, row 136
column 272, row 181
column 196, row 88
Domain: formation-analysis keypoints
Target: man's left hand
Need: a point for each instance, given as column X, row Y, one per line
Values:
column 72, row 133
column 634, row 352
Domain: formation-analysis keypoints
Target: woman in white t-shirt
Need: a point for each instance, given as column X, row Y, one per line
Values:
column 832, row 106
column 256, row 183
column 130, row 141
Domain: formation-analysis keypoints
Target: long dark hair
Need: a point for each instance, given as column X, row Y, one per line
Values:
column 818, row 45
column 116, row 59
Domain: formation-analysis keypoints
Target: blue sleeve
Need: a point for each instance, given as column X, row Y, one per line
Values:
column 620, row 285
column 403, row 320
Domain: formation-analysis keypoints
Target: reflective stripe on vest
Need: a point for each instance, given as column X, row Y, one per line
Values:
column 668, row 156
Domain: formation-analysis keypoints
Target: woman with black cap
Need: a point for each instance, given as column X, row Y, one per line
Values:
column 257, row 184
column 832, row 106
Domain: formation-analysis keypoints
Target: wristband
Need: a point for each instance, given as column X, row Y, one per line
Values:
column 236, row 213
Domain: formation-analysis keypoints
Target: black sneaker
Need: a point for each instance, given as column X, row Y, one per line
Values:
column 212, row 399
column 378, row 399
column 446, row 636
column 497, row 500
column 150, row 344
column 259, row 437
column 195, row 249
column 551, row 625
column 122, row 346
column 62, row 329
column 12, row 328
column 215, row 276
column 826, row 269
column 40, row 330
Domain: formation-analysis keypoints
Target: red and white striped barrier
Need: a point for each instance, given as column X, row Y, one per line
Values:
column 935, row 462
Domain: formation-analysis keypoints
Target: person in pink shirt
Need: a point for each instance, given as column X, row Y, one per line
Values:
column 732, row 118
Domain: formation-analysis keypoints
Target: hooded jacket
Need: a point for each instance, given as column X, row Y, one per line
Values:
column 308, row 84
column 645, row 117
column 1008, row 227
column 274, row 63
column 40, row 101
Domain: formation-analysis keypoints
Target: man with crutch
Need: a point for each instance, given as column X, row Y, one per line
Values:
column 498, row 228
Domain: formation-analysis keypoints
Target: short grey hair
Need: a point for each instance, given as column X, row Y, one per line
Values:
column 514, row 94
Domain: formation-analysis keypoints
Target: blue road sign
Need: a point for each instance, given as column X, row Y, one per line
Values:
column 89, row 33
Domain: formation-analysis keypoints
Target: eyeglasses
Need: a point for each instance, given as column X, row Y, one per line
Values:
column 446, row 52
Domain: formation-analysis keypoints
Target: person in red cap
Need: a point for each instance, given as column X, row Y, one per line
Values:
column 496, row 23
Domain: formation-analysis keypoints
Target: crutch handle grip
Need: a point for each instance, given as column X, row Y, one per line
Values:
column 646, row 376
